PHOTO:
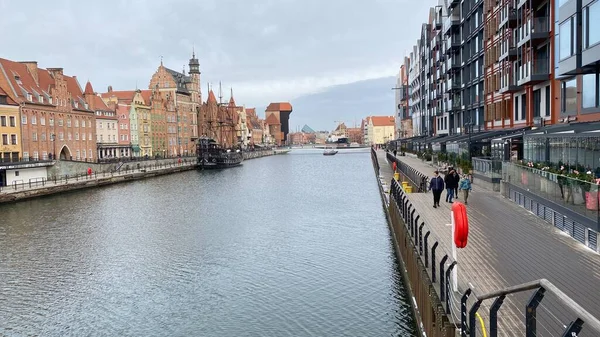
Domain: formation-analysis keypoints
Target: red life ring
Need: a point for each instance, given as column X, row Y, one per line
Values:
column 461, row 224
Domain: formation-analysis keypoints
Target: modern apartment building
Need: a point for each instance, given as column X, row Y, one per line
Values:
column 403, row 113
column 577, row 59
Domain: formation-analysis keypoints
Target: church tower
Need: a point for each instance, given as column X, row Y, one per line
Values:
column 194, row 73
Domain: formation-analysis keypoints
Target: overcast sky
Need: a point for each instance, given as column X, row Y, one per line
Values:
column 267, row 50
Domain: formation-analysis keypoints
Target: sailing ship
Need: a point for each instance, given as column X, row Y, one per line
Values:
column 211, row 154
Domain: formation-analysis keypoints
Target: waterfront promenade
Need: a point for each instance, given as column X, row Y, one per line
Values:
column 509, row 246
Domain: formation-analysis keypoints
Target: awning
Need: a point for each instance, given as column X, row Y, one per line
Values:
column 135, row 148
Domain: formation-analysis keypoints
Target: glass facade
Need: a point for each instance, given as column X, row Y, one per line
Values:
column 571, row 149
column 569, row 96
column 589, row 91
column 566, row 38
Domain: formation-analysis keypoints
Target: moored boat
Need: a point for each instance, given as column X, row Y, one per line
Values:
column 212, row 156
column 329, row 152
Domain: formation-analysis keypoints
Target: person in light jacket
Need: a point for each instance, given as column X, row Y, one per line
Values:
column 465, row 186
column 437, row 187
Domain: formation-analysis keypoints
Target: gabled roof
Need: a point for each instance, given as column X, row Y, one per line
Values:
column 272, row 120
column 180, row 80
column 8, row 98
column 284, row 106
column 125, row 96
column 382, row 120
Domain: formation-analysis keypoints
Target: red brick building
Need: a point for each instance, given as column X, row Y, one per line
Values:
column 53, row 110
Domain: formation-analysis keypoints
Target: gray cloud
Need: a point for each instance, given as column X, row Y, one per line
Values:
column 266, row 49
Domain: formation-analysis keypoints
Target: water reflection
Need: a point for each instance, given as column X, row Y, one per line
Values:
column 291, row 245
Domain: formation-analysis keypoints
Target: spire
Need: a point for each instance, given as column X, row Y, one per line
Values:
column 88, row 89
column 220, row 93
column 193, row 52
column 161, row 61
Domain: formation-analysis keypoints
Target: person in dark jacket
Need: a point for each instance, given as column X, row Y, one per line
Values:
column 451, row 184
column 457, row 181
column 437, row 187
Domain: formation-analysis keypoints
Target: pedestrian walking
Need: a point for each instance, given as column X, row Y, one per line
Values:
column 465, row 186
column 436, row 186
column 451, row 185
column 457, row 181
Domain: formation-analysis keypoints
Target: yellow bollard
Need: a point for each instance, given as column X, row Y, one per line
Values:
column 408, row 189
column 404, row 185
column 396, row 176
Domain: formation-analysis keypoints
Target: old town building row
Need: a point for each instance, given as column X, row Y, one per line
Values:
column 47, row 115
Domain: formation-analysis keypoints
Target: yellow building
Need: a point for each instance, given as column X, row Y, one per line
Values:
column 10, row 130
column 379, row 130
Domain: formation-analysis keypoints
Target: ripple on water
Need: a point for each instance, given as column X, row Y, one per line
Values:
column 293, row 245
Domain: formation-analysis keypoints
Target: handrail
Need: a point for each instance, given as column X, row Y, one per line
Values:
column 542, row 286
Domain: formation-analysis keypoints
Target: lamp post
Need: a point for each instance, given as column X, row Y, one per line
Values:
column 469, row 127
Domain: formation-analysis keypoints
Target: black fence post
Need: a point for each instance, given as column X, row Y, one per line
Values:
column 472, row 324
column 427, row 249
column 494, row 315
column 530, row 312
column 421, row 238
column 412, row 221
column 450, row 267
column 433, row 261
column 574, row 328
column 415, row 229
column 442, row 286
column 463, row 312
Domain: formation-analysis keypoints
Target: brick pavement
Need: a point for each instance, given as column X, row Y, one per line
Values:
column 508, row 246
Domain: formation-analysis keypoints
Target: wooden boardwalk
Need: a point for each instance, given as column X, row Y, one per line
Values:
column 509, row 246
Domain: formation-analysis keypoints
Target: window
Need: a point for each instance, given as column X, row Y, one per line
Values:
column 76, row 135
column 77, row 123
column 60, row 122
column 51, row 121
column 83, row 124
column 590, row 25
column 69, row 122
column 569, row 96
column 36, row 155
column 523, row 106
column 537, row 103
column 3, row 120
column 90, row 136
column 61, row 136
column 84, row 153
column 13, row 121
column 33, row 120
column 4, row 139
column 589, row 91
column 44, row 155
column 91, row 154
column 13, row 139
column 43, row 136
column 78, row 153
column 566, row 38
column 100, row 125
column 34, row 136
column 83, row 136
column 69, row 136
column 43, row 120
column 25, row 155
column 23, row 120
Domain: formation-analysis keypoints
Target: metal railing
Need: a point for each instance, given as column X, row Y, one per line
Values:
column 40, row 182
column 468, row 325
column 417, row 179
column 439, row 266
column 487, row 166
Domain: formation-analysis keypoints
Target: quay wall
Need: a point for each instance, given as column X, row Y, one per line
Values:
column 97, row 179
column 65, row 176
column 430, row 315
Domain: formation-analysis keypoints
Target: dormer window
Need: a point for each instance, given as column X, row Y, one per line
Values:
column 18, row 79
column 29, row 97
column 50, row 100
column 76, row 104
column 41, row 99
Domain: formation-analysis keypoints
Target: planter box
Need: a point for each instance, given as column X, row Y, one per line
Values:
column 591, row 200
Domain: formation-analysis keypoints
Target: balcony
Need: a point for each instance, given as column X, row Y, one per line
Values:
column 453, row 85
column 536, row 30
column 534, row 72
column 451, row 22
column 453, row 65
column 453, row 3
column 509, row 51
column 507, row 82
column 510, row 20
column 452, row 44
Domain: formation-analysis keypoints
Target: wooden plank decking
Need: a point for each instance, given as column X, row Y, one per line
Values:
column 508, row 246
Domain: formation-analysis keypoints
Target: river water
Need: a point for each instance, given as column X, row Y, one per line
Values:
column 290, row 245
